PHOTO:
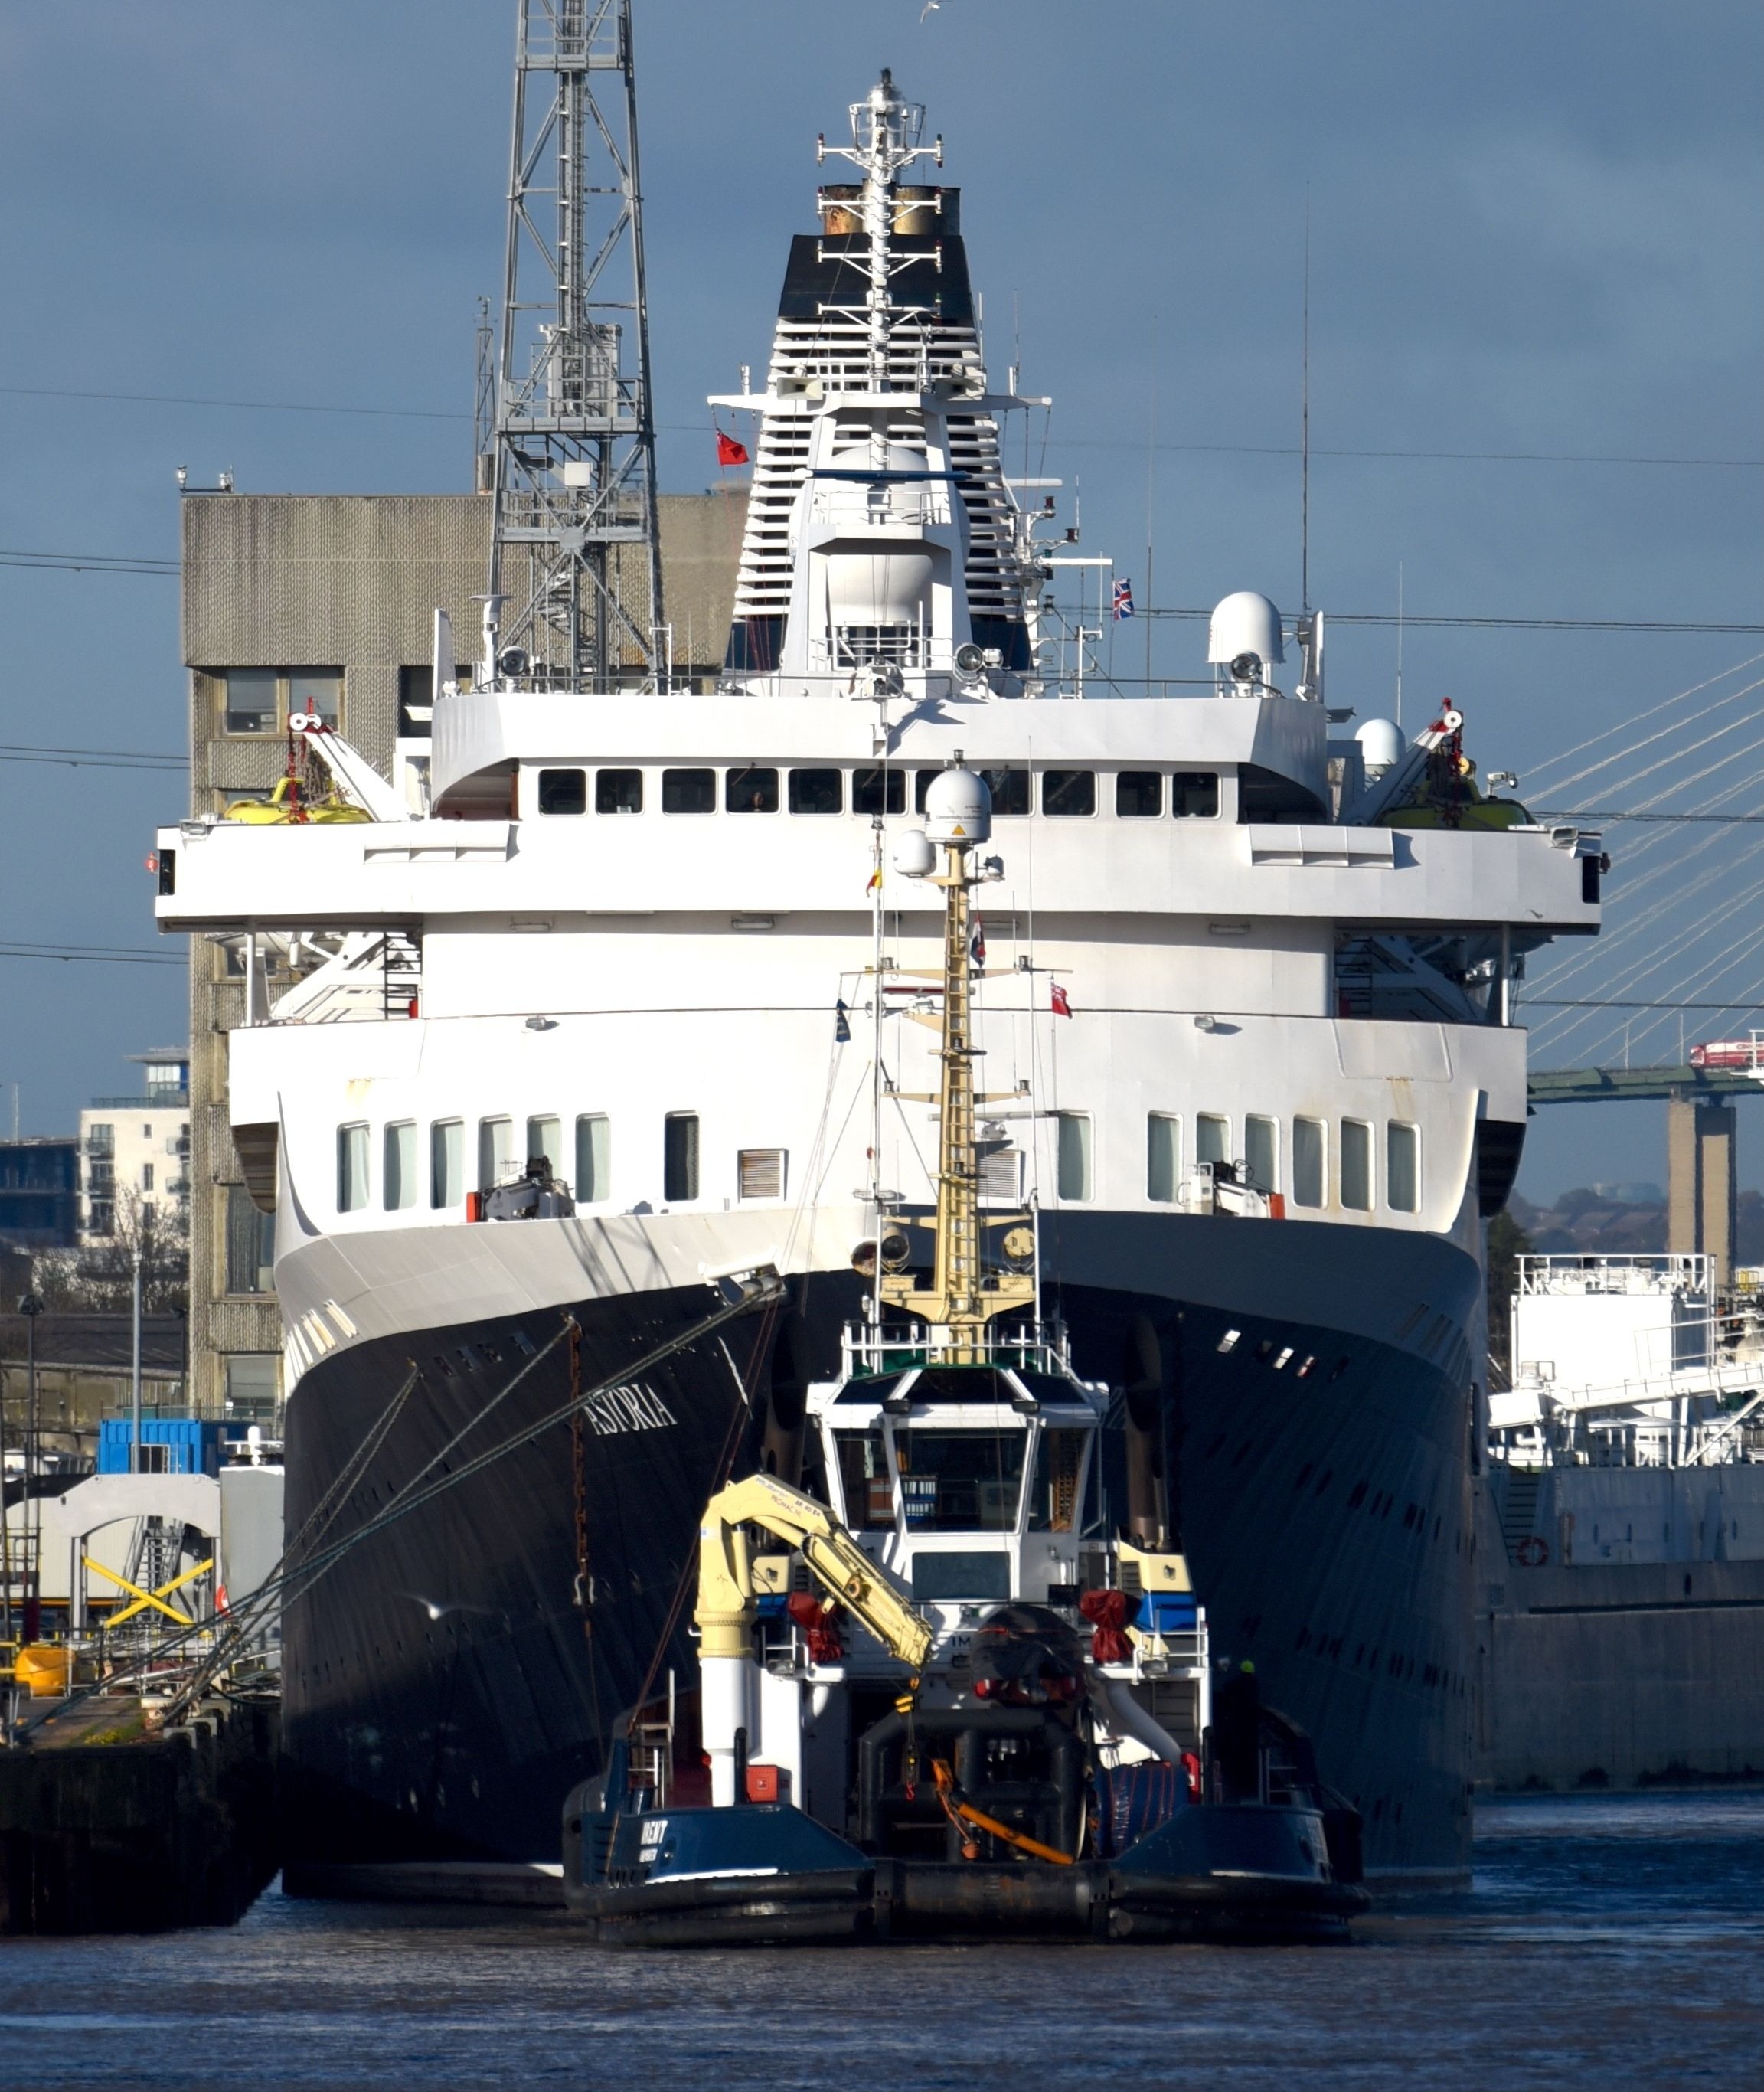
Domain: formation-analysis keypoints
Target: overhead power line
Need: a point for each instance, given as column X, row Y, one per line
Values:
column 92, row 955
column 93, row 758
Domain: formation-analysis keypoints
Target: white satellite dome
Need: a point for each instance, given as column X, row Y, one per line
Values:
column 915, row 857
column 958, row 807
column 1245, row 623
column 1381, row 745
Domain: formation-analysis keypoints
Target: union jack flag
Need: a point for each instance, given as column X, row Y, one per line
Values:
column 1123, row 600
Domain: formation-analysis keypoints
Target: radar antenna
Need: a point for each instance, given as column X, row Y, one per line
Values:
column 575, row 580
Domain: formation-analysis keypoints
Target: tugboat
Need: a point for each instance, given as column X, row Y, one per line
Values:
column 945, row 1703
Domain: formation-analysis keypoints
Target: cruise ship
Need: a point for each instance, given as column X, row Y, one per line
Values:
column 614, row 1000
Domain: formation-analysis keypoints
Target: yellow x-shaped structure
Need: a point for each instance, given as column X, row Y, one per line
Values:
column 144, row 1599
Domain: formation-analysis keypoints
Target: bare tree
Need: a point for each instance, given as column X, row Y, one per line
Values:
column 101, row 1281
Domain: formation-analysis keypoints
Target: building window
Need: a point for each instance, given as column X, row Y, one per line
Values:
column 1069, row 794
column 759, row 1173
column 1074, row 1154
column 1163, row 1157
column 817, row 792
column 1309, row 1148
column 250, row 704
column 1356, row 1165
column 250, row 1244
column 398, row 1174
column 563, row 791
column 1212, row 1138
column 594, row 1158
column 618, row 791
column 680, row 1156
column 146, row 1176
column 753, row 790
column 1193, row 795
column 351, row 1168
column 252, row 1387
column 101, row 1140
column 103, row 1220
column 447, row 1162
column 317, row 690
column 1138, row 793
column 147, row 1130
column 545, row 1139
column 415, row 703
column 1403, row 1166
column 878, row 791
column 1261, row 1152
column 689, row 791
column 496, row 1163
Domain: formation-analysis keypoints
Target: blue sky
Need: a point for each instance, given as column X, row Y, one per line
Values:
column 1534, row 229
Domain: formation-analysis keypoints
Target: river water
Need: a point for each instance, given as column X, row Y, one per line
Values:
column 1604, row 1941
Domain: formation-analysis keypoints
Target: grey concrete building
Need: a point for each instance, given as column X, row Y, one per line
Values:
column 325, row 603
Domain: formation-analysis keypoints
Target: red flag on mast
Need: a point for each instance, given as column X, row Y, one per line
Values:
column 1061, row 1006
column 729, row 451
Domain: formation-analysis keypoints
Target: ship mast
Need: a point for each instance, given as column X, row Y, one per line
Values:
column 575, row 580
column 964, row 1296
column 885, row 141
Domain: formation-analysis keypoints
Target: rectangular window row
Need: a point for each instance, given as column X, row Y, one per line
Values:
column 261, row 700
column 760, row 1172
column 1308, row 1184
column 1191, row 795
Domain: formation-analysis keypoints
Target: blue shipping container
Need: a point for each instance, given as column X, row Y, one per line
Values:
column 169, row 1445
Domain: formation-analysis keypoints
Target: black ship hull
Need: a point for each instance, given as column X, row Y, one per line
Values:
column 452, row 1677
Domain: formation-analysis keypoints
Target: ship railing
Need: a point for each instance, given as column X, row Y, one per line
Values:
column 1636, row 1272
column 1031, row 1346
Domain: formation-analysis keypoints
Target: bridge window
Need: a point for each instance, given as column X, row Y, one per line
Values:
column 689, row 791
column 619, row 792
column 1069, row 794
column 1138, row 793
column 1193, row 795
column 1074, row 1154
column 1261, row 1152
column 351, row 1168
column 1310, row 1149
column 817, row 792
column 1356, row 1165
column 680, row 1156
column 864, row 1480
column 1163, row 1157
column 563, row 791
column 752, row 790
column 594, row 1158
column 447, row 1162
column 960, row 1481
column 878, row 791
column 1403, row 1166
column 398, row 1172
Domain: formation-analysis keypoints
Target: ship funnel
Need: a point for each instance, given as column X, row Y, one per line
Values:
column 958, row 809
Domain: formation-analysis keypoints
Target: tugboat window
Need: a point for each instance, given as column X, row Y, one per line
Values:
column 878, row 791
column 864, row 1480
column 1309, row 1142
column 817, row 792
column 689, row 791
column 1138, row 793
column 594, row 1158
column 1069, row 794
column 1163, row 1157
column 750, row 791
column 619, row 792
column 1356, row 1165
column 398, row 1175
column 563, row 791
column 447, row 1162
column 1059, row 1466
column 351, row 1168
column 680, row 1156
column 1193, row 795
column 960, row 1481
column 1403, row 1166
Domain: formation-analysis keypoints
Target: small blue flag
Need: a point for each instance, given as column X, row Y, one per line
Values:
column 841, row 1028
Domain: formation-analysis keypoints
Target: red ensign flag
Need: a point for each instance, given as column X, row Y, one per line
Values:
column 729, row 451
column 1061, row 1007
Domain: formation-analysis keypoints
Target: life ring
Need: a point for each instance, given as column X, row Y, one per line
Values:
column 1532, row 1553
